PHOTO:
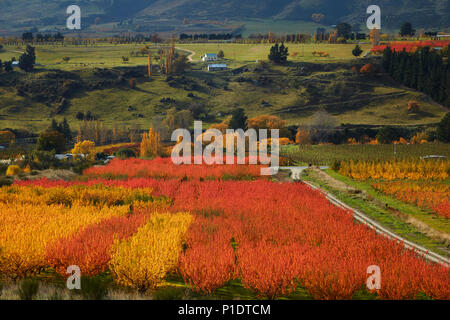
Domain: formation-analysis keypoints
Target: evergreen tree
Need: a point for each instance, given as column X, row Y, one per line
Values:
column 443, row 129
column 65, row 128
column 387, row 58
column 238, row 120
column 54, row 126
column 28, row 59
column 278, row 54
column 357, row 51
column 8, row 66
column 79, row 115
column 425, row 70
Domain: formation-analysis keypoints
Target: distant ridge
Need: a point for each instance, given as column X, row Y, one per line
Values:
column 39, row 13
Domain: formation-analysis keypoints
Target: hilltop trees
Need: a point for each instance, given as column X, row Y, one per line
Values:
column 278, row 53
column 424, row 70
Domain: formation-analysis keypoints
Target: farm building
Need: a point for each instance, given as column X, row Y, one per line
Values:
column 210, row 57
column 217, row 67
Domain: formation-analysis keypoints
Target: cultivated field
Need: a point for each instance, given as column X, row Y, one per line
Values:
column 217, row 231
column 407, row 195
column 328, row 154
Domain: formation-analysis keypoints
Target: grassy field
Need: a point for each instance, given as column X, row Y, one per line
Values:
column 108, row 55
column 293, row 92
column 101, row 55
column 244, row 53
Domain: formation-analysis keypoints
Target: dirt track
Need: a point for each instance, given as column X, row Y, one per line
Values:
column 362, row 218
column 190, row 56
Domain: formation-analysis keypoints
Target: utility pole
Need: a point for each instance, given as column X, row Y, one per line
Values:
column 149, row 64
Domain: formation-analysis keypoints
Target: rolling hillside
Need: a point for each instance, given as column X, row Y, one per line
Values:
column 38, row 14
column 98, row 82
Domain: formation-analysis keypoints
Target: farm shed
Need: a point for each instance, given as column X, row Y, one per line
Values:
column 217, row 67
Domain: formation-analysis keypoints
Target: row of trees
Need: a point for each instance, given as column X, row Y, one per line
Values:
column 97, row 132
column 209, row 36
column 29, row 37
column 425, row 70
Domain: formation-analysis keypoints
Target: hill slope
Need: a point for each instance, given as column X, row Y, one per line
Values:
column 16, row 14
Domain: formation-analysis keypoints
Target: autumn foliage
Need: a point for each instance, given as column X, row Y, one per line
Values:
column 410, row 46
column 431, row 195
column 151, row 145
column 266, row 122
column 28, row 229
column 163, row 168
column 273, row 237
column 368, row 69
column 90, row 248
column 396, row 169
column 144, row 261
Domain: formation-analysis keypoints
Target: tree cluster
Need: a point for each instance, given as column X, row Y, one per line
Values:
column 278, row 53
column 28, row 59
column 426, row 70
column 61, row 127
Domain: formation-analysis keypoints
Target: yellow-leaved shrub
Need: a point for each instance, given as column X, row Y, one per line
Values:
column 396, row 169
column 27, row 229
column 13, row 170
column 143, row 261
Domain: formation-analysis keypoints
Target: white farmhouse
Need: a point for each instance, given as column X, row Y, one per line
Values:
column 210, row 57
